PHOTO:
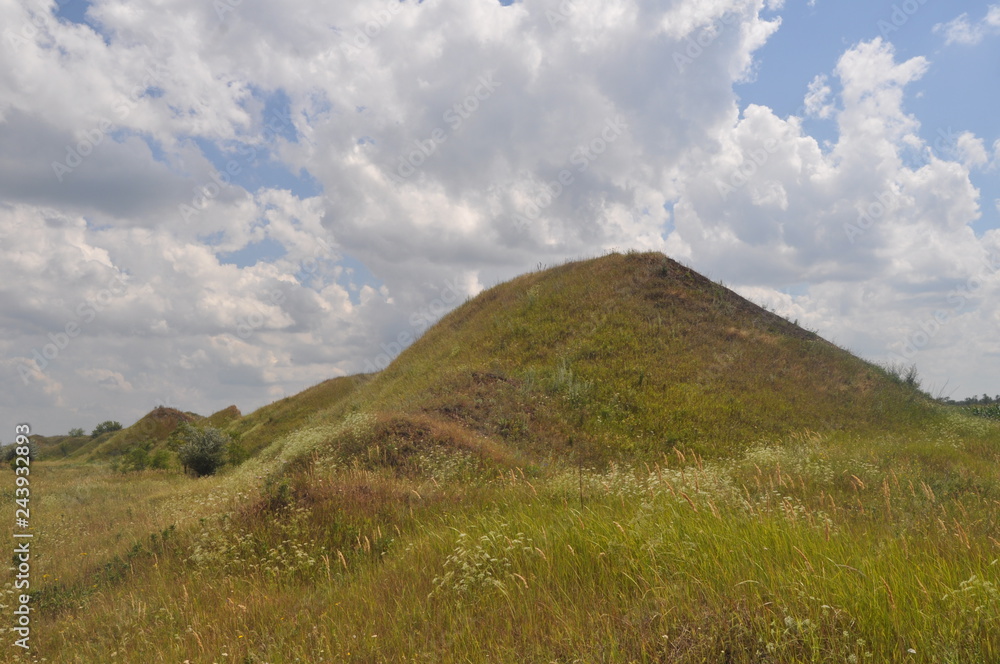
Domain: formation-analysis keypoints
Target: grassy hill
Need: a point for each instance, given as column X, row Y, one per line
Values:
column 614, row 460
column 622, row 357
column 626, row 357
column 254, row 431
column 152, row 429
column 275, row 421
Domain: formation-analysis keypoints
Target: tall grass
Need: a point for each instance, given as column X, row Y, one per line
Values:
column 810, row 548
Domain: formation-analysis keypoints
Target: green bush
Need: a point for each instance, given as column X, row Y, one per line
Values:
column 105, row 427
column 76, row 433
column 160, row 459
column 139, row 458
column 9, row 453
column 236, row 453
column 202, row 450
column 136, row 458
column 991, row 412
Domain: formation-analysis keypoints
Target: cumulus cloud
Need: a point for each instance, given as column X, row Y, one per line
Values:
column 817, row 98
column 961, row 30
column 152, row 167
column 880, row 244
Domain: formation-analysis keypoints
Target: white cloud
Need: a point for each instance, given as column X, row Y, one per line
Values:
column 433, row 130
column 874, row 244
column 111, row 380
column 817, row 98
column 972, row 150
column 961, row 30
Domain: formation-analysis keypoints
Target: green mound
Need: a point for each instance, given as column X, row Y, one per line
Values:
column 627, row 357
column 154, row 428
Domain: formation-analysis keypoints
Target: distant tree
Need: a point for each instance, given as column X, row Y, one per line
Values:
column 201, row 450
column 140, row 457
column 77, row 432
column 105, row 427
column 9, row 453
column 137, row 458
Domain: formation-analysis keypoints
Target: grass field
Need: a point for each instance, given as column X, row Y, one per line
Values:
column 637, row 478
column 813, row 549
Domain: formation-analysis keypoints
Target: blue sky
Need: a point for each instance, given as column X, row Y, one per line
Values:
column 958, row 93
column 220, row 223
column 810, row 41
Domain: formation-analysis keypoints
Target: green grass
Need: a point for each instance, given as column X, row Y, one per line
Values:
column 811, row 548
column 632, row 355
column 611, row 461
column 991, row 411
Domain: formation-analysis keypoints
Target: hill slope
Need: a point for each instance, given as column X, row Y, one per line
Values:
column 254, row 431
column 623, row 356
column 438, row 512
column 628, row 356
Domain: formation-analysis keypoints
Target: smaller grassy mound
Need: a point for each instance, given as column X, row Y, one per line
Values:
column 58, row 447
column 252, row 432
column 422, row 445
column 154, row 429
column 224, row 418
column 274, row 421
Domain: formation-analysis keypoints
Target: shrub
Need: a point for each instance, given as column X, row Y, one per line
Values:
column 76, row 433
column 138, row 458
column 236, row 453
column 202, row 450
column 105, row 427
column 902, row 374
column 9, row 453
column 990, row 412
column 160, row 459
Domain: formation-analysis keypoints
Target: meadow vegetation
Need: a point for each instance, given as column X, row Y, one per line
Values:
column 611, row 461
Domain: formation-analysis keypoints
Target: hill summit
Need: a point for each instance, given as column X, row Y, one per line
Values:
column 625, row 355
